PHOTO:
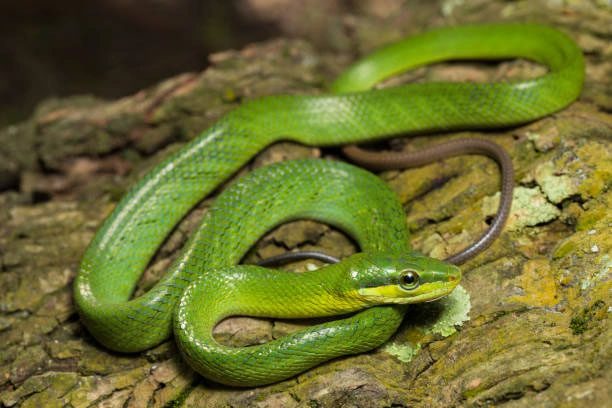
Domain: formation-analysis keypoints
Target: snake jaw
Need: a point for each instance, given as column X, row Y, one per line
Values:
column 394, row 294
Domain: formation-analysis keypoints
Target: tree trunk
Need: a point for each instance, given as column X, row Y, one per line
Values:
column 529, row 327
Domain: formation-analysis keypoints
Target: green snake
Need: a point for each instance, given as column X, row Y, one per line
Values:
column 204, row 285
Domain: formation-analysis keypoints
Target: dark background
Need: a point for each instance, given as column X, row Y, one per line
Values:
column 110, row 48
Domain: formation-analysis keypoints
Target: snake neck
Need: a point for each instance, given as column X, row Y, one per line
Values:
column 261, row 292
column 257, row 291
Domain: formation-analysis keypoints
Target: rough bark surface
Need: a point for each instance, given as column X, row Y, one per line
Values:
column 531, row 327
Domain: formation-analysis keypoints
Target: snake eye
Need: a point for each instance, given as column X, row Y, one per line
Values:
column 409, row 280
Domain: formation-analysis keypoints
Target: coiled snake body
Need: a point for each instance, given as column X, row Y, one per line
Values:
column 204, row 279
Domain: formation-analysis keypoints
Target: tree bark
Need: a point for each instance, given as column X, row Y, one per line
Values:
column 530, row 326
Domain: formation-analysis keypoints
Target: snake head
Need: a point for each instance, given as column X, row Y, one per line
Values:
column 403, row 278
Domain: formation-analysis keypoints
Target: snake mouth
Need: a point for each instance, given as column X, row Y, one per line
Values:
column 440, row 296
column 394, row 294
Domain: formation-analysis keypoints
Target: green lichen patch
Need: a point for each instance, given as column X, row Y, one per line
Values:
column 456, row 308
column 439, row 318
column 529, row 207
column 556, row 187
column 587, row 317
column 404, row 352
